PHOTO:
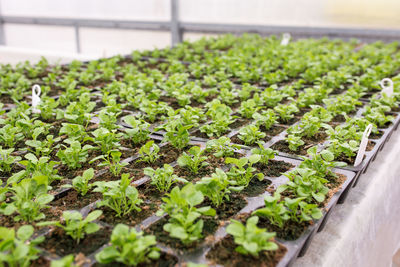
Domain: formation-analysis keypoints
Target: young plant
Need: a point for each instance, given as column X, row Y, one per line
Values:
column 17, row 248
column 251, row 239
column 286, row 111
column 217, row 187
column 184, row 222
column 265, row 153
column 113, row 161
column 274, row 210
column 149, row 152
column 177, row 134
column 108, row 119
column 119, row 196
column 139, row 131
column 266, row 118
column 250, row 134
column 41, row 166
column 75, row 226
column 242, row 171
column 248, row 108
column 322, row 162
column 7, row 160
column 44, row 147
column 10, row 135
column 129, row 247
column 339, row 147
column 75, row 154
column 222, row 147
column 301, row 211
column 107, row 140
column 193, row 160
column 294, row 141
column 163, row 178
column 304, row 182
column 29, row 198
column 81, row 183
column 73, row 131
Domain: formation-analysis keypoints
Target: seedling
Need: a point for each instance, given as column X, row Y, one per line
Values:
column 242, row 171
column 222, row 147
column 129, row 247
column 81, row 183
column 29, row 198
column 251, row 239
column 139, row 131
column 163, row 178
column 217, row 187
column 265, row 153
column 75, row 226
column 193, row 160
column 17, row 248
column 250, row 134
column 7, row 160
column 294, row 142
column 184, row 222
column 149, row 152
column 112, row 161
column 119, row 196
column 274, row 210
column 75, row 154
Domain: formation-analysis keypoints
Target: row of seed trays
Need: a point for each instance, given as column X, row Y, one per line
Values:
column 227, row 151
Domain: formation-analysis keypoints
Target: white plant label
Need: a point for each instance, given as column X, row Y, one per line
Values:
column 363, row 145
column 387, row 86
column 36, row 90
column 285, row 38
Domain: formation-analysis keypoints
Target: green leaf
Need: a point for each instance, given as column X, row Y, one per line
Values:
column 25, row 232
column 93, row 215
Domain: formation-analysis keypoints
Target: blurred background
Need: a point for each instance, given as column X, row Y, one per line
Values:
column 94, row 28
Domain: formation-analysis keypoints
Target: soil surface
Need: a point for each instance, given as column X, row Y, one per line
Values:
column 224, row 253
column 59, row 243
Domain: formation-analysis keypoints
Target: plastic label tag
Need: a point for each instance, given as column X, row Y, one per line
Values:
column 363, row 145
column 285, row 38
column 36, row 90
column 387, row 86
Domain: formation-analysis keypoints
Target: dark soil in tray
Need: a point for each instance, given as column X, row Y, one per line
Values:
column 289, row 122
column 149, row 192
column 59, row 243
column 185, row 173
column 224, row 253
column 132, row 219
column 255, row 187
column 228, row 208
column 274, row 168
column 71, row 201
column 209, row 228
column 291, row 230
column 376, row 135
column 274, row 130
column 8, row 221
column 165, row 260
column 14, row 169
column 335, row 184
column 283, row 146
column 239, row 122
column 167, row 154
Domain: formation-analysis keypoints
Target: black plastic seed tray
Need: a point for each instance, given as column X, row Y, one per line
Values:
column 296, row 248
